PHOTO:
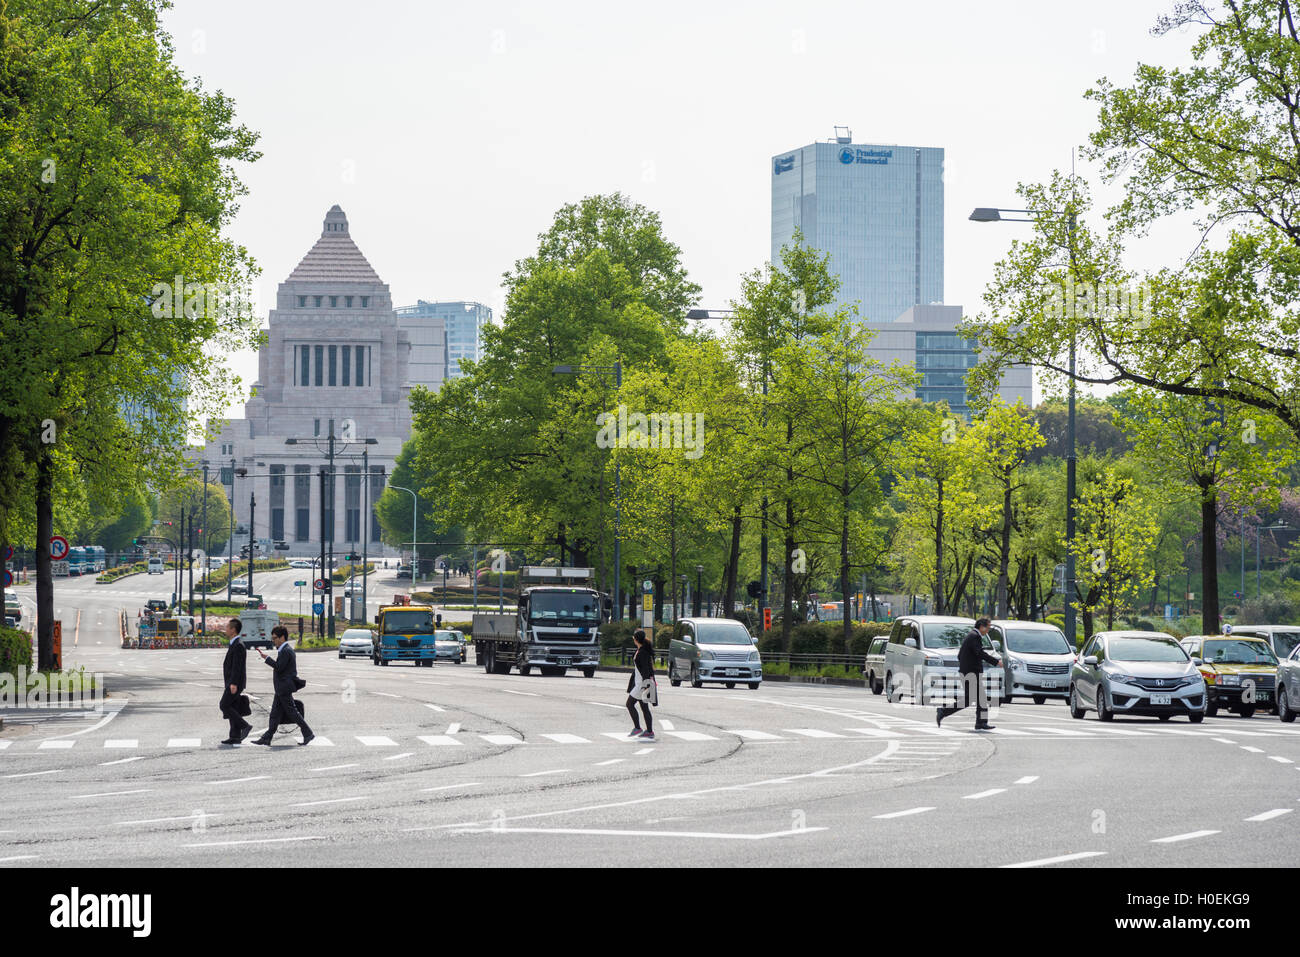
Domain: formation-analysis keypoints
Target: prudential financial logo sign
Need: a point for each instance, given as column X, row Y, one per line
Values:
column 854, row 154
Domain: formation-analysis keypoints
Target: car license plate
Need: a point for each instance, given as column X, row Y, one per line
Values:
column 1263, row 695
column 563, row 662
column 732, row 672
column 1161, row 699
column 1048, row 682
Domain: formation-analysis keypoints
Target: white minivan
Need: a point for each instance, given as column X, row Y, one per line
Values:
column 155, row 566
column 921, row 659
column 718, row 650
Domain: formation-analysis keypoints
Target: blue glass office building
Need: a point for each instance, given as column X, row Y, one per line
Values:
column 463, row 323
column 877, row 210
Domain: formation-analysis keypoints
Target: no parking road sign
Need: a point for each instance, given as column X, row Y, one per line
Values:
column 320, row 584
column 9, row 578
column 58, row 548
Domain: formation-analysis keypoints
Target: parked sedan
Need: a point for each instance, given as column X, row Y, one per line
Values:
column 1136, row 672
column 873, row 669
column 1240, row 673
column 239, row 586
column 301, row 563
column 356, row 641
column 1288, row 686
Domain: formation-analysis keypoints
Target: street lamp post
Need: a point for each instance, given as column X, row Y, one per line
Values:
column 230, row 540
column 365, row 539
column 252, row 510
column 993, row 215
column 617, row 370
column 699, row 586
column 207, row 564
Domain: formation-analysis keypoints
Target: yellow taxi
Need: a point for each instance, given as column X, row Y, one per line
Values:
column 1240, row 672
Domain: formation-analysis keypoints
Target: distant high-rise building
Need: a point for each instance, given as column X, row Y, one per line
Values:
column 877, row 210
column 462, row 325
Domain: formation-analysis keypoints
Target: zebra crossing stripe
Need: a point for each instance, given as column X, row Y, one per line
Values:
column 376, row 741
column 813, row 733
column 690, row 735
column 566, row 739
column 501, row 739
column 122, row 743
column 875, row 732
column 437, row 740
column 756, row 735
column 184, row 742
column 50, row 745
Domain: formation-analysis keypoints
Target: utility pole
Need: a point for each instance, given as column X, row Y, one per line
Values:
column 203, row 628
column 365, row 539
column 252, row 548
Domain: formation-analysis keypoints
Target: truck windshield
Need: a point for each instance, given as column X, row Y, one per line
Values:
column 571, row 606
column 415, row 621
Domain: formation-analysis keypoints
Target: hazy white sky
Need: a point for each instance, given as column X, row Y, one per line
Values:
column 451, row 132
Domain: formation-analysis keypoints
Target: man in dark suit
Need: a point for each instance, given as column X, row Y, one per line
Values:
column 234, row 670
column 285, row 682
column 971, row 659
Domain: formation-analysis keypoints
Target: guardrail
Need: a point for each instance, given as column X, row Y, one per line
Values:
column 626, row 653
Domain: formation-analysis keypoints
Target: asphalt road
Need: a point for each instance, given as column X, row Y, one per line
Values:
column 450, row 766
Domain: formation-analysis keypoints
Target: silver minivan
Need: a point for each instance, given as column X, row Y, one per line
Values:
column 1036, row 659
column 922, row 655
column 718, row 650
column 1282, row 638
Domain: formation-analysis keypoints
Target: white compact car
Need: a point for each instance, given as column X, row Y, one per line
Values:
column 356, row 641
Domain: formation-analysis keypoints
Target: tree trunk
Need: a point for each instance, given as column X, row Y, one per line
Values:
column 1004, row 555
column 844, row 566
column 733, row 566
column 44, row 565
column 1209, row 562
column 938, row 549
column 787, row 599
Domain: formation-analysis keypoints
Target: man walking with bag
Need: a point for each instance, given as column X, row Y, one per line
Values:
column 971, row 659
column 234, row 671
column 641, row 687
column 285, row 682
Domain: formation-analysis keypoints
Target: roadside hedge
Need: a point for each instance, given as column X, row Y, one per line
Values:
column 15, row 650
column 825, row 638
column 216, row 580
column 346, row 572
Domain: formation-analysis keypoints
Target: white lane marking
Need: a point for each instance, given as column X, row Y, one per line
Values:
column 105, row 764
column 601, row 764
column 164, row 820
column 439, row 739
column 363, row 797
column 529, row 694
column 566, row 739
column 385, row 694
column 889, row 748
column 1189, row 836
column 690, row 735
column 453, row 728
column 122, row 743
column 1225, row 741
column 5, row 744
column 813, row 732
column 606, row 704
column 875, row 732
column 105, row 794
column 184, row 742
column 756, row 735
column 32, row 774
column 1246, row 747
column 264, row 840
column 334, row 767
column 449, row 787
column 1012, row 731
column 433, row 707
column 907, row 813
column 1064, row 732
column 99, row 724
column 501, row 739
column 618, row 735
column 20, row 857
column 255, row 777
column 1269, row 815
column 604, row 832
column 538, row 774
column 376, row 741
column 320, row 741
column 1273, row 757
column 398, row 757
column 1058, row 860
column 983, row 794
column 56, row 744
column 1027, row 779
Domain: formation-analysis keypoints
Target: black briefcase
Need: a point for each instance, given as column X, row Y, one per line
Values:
column 302, row 709
column 299, row 683
column 243, row 706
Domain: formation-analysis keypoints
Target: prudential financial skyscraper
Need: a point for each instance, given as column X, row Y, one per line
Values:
column 877, row 210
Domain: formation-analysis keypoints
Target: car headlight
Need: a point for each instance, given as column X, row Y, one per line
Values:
column 1120, row 678
column 1229, row 679
column 1209, row 678
column 753, row 656
column 706, row 655
column 1016, row 663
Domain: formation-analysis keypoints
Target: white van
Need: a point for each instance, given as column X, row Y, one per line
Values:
column 256, row 625
column 155, row 566
column 921, row 659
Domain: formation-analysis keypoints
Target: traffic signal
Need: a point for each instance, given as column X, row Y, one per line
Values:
column 438, row 620
column 754, row 589
column 354, row 557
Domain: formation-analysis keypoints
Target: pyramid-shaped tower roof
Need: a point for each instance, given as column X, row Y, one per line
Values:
column 335, row 257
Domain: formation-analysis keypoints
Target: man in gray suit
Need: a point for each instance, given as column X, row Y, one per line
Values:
column 285, row 682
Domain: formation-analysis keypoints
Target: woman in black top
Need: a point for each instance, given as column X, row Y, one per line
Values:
column 641, row 686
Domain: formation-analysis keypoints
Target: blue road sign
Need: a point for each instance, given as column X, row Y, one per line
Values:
column 317, row 608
